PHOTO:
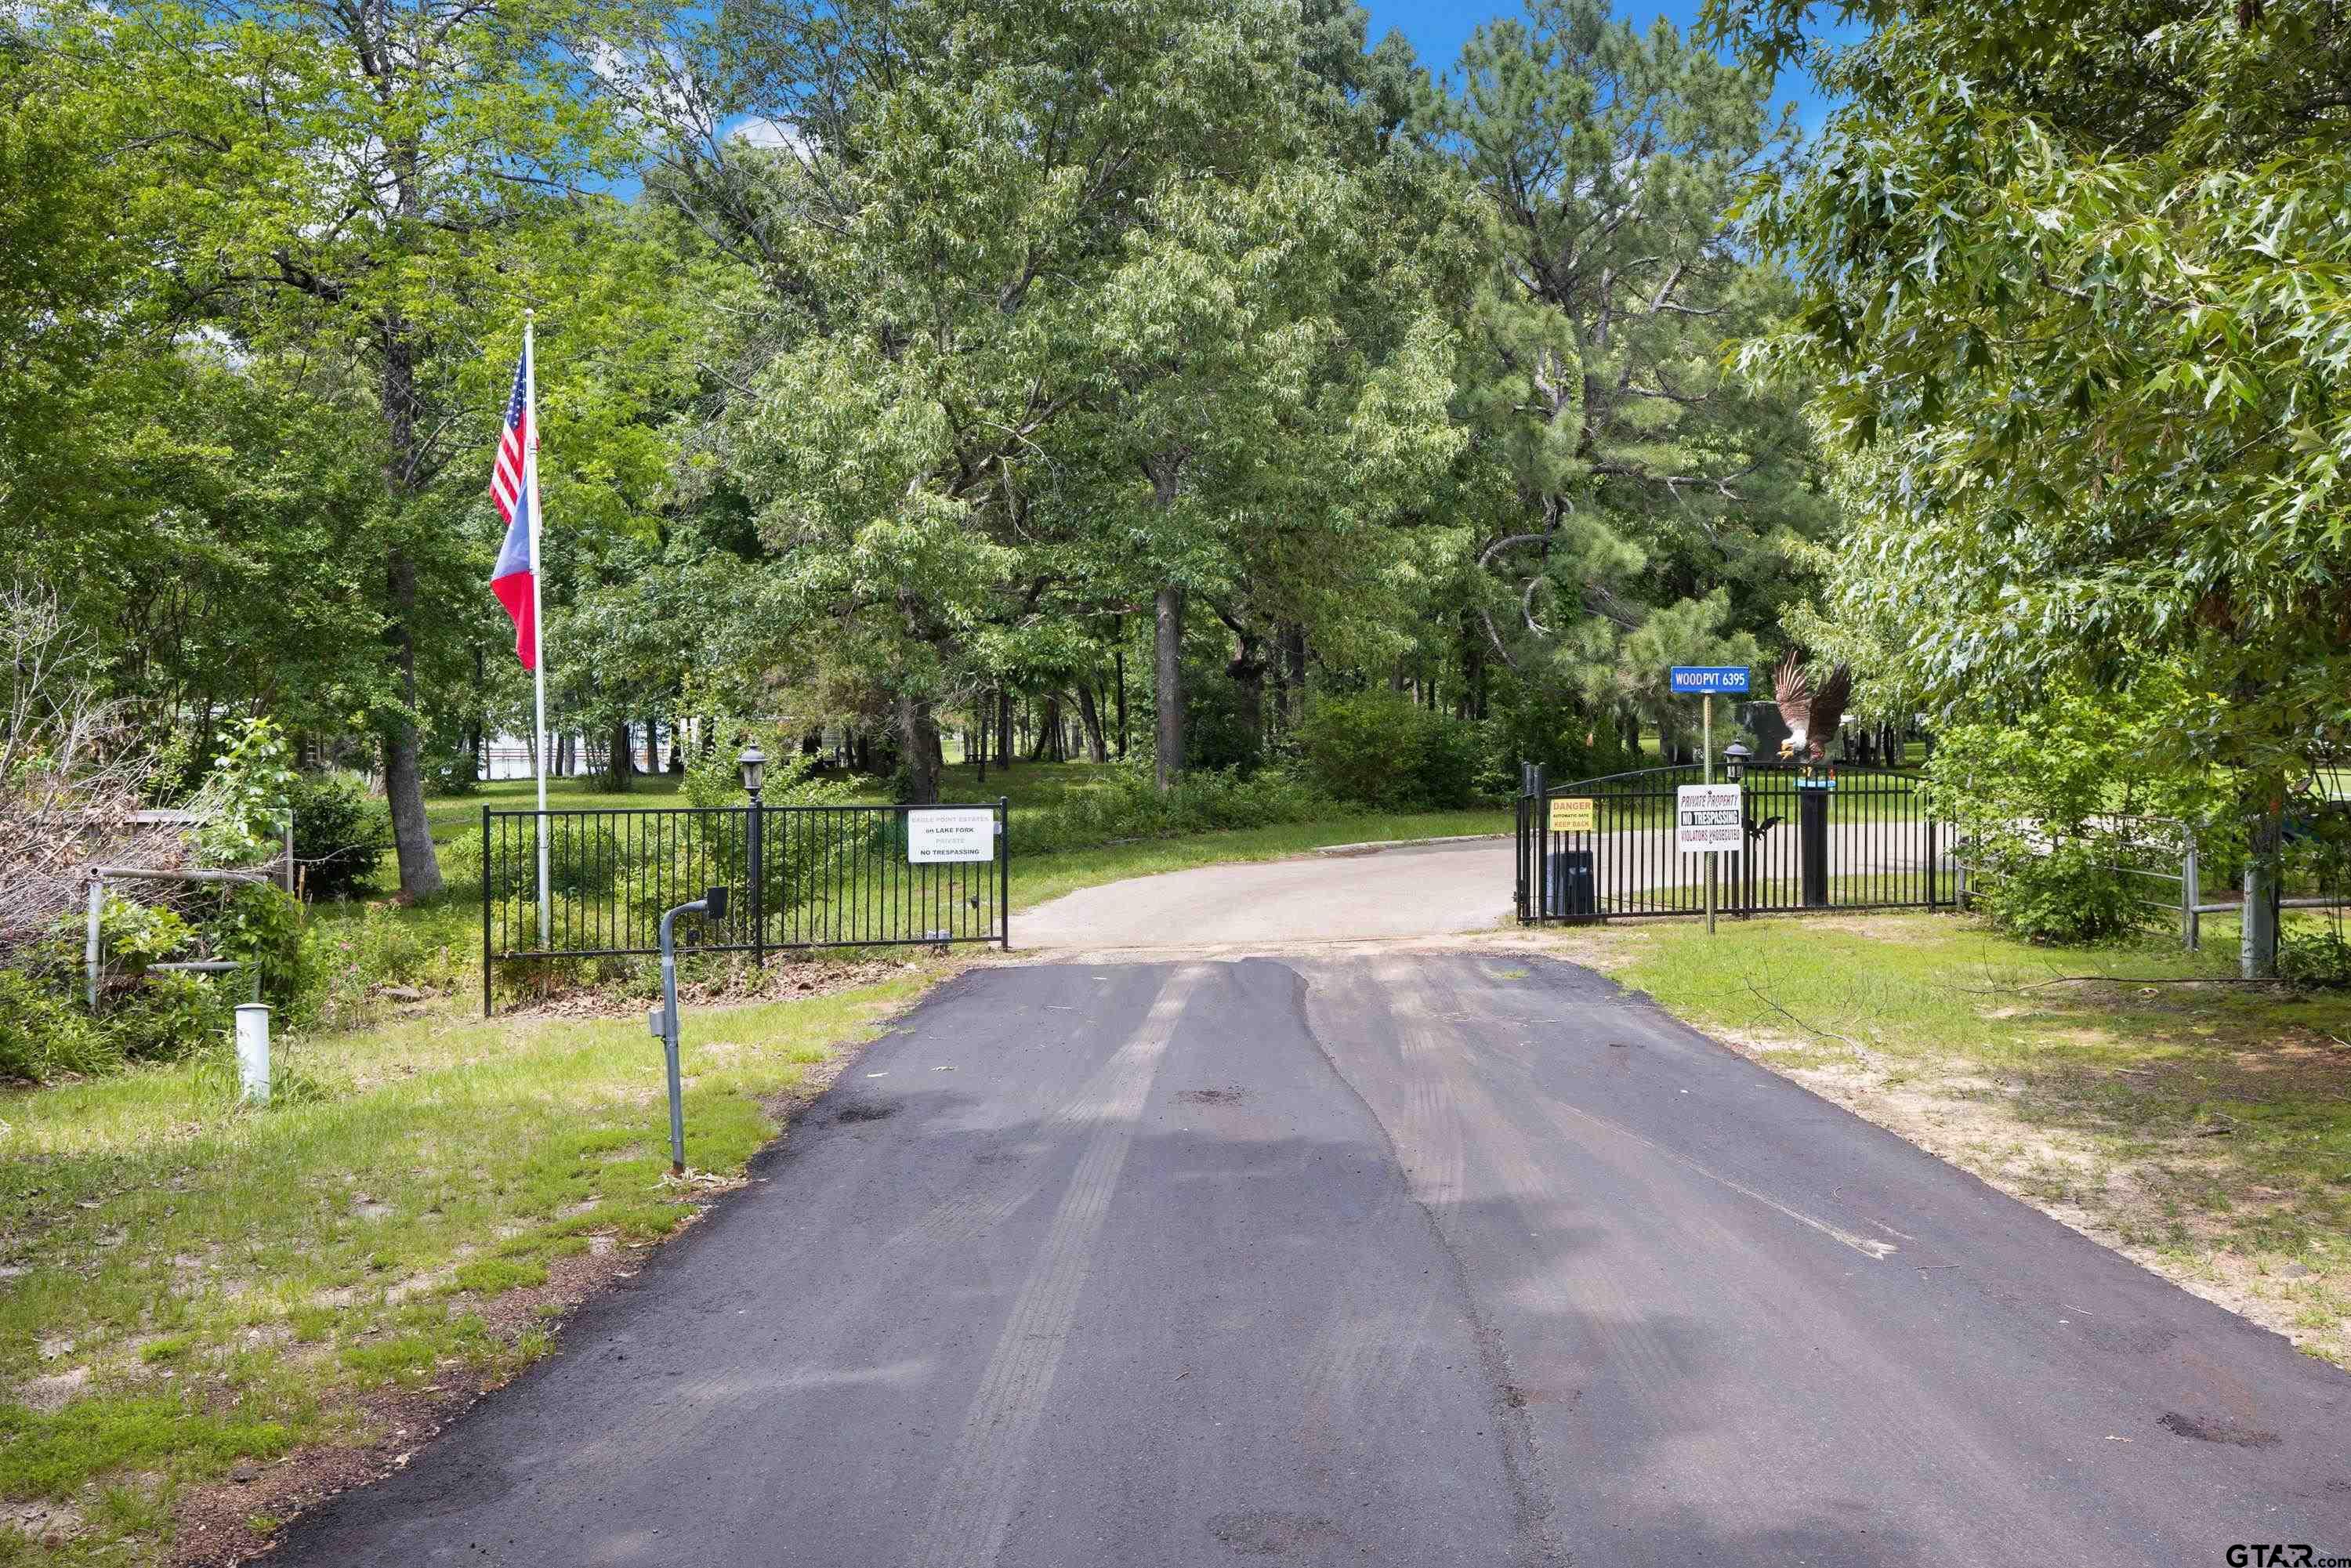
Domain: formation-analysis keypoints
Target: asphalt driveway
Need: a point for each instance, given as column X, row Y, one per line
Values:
column 1412, row 1258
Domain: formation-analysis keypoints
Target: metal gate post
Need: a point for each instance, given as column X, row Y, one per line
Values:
column 488, row 862
column 1812, row 844
column 757, row 852
column 1934, row 856
column 2191, row 896
column 1517, row 847
column 1541, row 825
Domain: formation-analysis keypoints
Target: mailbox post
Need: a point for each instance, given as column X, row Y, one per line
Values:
column 663, row 1019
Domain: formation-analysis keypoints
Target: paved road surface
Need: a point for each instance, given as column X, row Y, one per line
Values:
column 1430, row 890
column 1411, row 1259
column 1435, row 890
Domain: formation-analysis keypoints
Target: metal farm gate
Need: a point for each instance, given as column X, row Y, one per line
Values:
column 1815, row 836
column 827, row 876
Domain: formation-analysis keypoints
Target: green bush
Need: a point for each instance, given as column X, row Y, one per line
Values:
column 133, row 935
column 339, row 834
column 46, row 1035
column 2068, row 895
column 165, row 1017
column 451, row 770
column 1127, row 806
column 1547, row 721
column 2314, row 958
column 1380, row 749
column 261, row 924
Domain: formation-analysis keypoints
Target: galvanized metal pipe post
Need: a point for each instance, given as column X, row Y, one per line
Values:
column 757, row 851
column 2192, row 897
column 712, row 905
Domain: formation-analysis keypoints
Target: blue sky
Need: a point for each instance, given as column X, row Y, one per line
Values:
column 1438, row 28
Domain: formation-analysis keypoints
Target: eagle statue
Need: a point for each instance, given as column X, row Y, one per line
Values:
column 1812, row 714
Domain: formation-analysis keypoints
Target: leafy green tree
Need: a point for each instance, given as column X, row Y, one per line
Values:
column 2073, row 292
column 366, row 198
column 1620, row 475
column 1021, row 384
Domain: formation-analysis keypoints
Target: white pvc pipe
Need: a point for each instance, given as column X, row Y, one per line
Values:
column 253, row 1052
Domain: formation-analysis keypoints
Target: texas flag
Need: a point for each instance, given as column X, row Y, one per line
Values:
column 515, row 579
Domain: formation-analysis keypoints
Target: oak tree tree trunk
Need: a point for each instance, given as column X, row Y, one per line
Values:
column 1090, row 715
column 918, row 736
column 1167, row 699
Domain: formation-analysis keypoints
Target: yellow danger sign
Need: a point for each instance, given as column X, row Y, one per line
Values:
column 1572, row 815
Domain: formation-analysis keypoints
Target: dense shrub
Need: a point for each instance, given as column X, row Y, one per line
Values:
column 261, row 926
column 1223, row 721
column 379, row 945
column 451, row 771
column 45, row 1034
column 165, row 1017
column 2048, row 805
column 2316, row 958
column 1380, row 749
column 160, row 1017
column 2066, row 894
column 1548, row 722
column 1127, row 805
column 339, row 834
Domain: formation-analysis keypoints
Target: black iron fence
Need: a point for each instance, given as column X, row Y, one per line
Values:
column 1809, row 837
column 797, row 876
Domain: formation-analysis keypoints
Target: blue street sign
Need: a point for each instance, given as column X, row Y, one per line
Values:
column 1698, row 680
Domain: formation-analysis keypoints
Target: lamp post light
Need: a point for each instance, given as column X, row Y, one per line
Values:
column 753, row 765
column 1734, row 761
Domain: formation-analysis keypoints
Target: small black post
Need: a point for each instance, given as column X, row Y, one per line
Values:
column 485, row 911
column 1813, row 830
column 1543, row 844
column 1931, row 857
column 758, row 889
column 1004, row 872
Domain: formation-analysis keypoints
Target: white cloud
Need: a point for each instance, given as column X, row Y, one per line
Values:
column 757, row 130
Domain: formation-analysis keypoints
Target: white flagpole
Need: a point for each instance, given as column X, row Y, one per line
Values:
column 537, row 618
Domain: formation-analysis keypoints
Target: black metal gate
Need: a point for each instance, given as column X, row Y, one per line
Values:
column 1814, row 837
column 827, row 876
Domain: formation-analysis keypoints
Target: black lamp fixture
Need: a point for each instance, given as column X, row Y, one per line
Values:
column 754, row 766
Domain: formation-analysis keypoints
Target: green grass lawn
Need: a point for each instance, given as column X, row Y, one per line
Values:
column 2204, row 1128
column 450, row 815
column 192, row 1285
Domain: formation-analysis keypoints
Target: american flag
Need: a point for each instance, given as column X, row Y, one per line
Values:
column 515, row 579
column 514, row 442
